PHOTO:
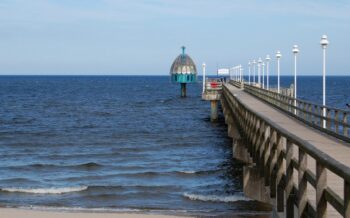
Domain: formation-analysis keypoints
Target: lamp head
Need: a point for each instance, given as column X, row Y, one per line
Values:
column 259, row 61
column 278, row 54
column 295, row 49
column 324, row 41
column 203, row 65
column 268, row 58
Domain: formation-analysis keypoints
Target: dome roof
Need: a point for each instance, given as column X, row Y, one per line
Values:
column 183, row 64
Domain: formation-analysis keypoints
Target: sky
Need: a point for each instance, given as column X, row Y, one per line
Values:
column 143, row 37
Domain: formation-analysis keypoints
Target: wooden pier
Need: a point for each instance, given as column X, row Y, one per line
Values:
column 303, row 166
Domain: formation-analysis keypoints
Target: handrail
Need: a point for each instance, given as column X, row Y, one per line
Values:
column 266, row 141
column 336, row 120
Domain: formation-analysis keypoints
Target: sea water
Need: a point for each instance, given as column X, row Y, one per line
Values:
column 120, row 143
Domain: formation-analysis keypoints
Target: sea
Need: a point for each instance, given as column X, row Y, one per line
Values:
column 125, row 144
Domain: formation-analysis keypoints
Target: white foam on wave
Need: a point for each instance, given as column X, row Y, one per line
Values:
column 215, row 198
column 80, row 209
column 46, row 190
column 188, row 172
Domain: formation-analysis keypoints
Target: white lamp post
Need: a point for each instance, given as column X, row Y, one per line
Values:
column 241, row 73
column 235, row 70
column 267, row 72
column 278, row 56
column 249, row 72
column 203, row 68
column 254, row 62
column 259, row 71
column 263, row 74
column 324, row 43
column 236, row 73
column 295, row 52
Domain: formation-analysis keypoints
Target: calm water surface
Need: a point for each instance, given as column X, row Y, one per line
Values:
column 123, row 144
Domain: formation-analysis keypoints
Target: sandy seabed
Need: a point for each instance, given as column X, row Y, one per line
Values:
column 28, row 213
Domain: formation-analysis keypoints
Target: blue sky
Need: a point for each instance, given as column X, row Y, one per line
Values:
column 143, row 37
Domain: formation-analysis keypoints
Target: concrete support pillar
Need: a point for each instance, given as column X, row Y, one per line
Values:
column 214, row 110
column 254, row 186
column 240, row 151
column 183, row 89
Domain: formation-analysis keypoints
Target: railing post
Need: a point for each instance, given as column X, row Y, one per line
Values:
column 328, row 122
column 273, row 173
column 280, row 190
column 321, row 185
column 289, row 180
column 345, row 120
column 310, row 111
column 336, row 120
column 315, row 118
column 302, row 183
column 346, row 199
column 267, row 154
column 304, row 111
column 261, row 147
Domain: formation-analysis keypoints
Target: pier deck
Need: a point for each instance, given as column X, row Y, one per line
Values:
column 337, row 149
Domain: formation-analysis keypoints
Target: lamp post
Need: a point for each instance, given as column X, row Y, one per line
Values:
column 278, row 56
column 263, row 75
column 235, row 73
column 249, row 72
column 259, row 71
column 324, row 43
column 241, row 73
column 203, row 68
column 267, row 72
column 254, row 63
column 295, row 52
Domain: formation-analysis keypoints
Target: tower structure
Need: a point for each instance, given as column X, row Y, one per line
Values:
column 183, row 71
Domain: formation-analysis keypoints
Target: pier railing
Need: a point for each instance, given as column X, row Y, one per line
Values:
column 335, row 123
column 273, row 150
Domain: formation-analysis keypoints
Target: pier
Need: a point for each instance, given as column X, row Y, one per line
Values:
column 293, row 161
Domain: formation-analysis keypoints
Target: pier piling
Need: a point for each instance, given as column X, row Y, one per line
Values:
column 183, row 89
column 213, row 110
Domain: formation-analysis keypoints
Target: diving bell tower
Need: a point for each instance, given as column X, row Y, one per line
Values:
column 183, row 71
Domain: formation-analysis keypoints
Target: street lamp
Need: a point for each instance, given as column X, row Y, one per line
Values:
column 254, row 63
column 249, row 72
column 278, row 56
column 295, row 52
column 259, row 71
column 203, row 68
column 263, row 74
column 240, row 73
column 267, row 71
column 324, row 43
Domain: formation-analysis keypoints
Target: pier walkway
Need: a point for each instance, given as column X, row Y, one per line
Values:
column 305, row 170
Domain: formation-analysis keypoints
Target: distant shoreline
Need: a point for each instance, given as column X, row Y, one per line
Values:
column 138, row 75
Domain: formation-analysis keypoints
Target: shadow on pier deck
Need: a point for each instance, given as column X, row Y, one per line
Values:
column 293, row 162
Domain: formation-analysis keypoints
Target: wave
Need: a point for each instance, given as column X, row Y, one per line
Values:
column 46, row 190
column 215, row 198
column 188, row 172
column 39, row 165
column 80, row 209
column 93, row 188
column 199, row 172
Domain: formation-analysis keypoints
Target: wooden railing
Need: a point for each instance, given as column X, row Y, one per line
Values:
column 336, row 122
column 272, row 149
